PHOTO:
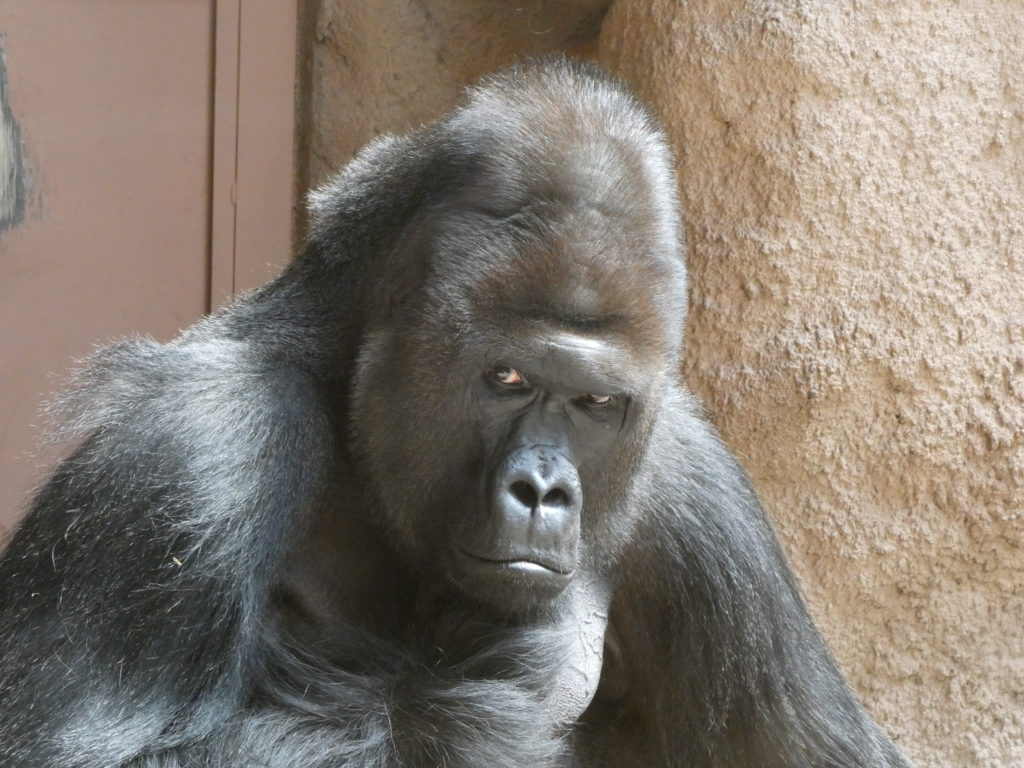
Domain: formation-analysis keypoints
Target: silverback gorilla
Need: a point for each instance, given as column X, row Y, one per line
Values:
column 432, row 497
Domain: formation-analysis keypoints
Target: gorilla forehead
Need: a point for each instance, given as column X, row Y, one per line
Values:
column 579, row 270
column 576, row 223
column 542, row 270
column 570, row 135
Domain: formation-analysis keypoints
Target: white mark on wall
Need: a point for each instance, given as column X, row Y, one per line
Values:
column 12, row 171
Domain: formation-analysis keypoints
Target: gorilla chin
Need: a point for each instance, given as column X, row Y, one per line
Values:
column 516, row 582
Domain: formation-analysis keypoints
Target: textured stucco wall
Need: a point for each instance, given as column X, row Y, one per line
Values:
column 852, row 175
column 392, row 65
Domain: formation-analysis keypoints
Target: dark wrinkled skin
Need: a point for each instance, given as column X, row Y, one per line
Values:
column 434, row 496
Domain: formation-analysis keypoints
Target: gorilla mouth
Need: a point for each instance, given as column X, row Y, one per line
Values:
column 530, row 564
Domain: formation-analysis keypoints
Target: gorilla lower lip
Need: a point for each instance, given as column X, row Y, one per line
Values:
column 523, row 565
column 527, row 565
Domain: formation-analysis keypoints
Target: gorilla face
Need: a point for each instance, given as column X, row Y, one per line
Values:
column 550, row 418
column 503, row 424
column 506, row 454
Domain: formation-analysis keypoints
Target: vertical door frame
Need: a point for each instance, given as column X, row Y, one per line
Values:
column 253, row 165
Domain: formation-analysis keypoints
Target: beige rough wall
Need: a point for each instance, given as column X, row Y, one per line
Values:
column 852, row 175
column 391, row 65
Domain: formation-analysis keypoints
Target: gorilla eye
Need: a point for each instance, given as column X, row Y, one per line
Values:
column 507, row 377
column 596, row 401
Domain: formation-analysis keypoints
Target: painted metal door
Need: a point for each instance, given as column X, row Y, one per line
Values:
column 133, row 164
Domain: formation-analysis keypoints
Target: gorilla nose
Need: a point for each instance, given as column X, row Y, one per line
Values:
column 534, row 494
column 538, row 499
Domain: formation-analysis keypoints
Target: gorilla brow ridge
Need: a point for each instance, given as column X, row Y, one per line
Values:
column 573, row 320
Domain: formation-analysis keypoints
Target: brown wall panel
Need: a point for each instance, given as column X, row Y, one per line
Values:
column 113, row 103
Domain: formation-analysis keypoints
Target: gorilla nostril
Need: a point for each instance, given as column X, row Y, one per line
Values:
column 525, row 493
column 556, row 497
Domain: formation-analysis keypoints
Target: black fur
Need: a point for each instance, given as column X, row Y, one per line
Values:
column 238, row 563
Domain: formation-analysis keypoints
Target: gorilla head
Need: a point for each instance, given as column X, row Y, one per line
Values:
column 505, row 398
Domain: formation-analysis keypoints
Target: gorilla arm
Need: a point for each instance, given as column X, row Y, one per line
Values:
column 579, row 672
column 558, row 658
column 722, row 664
column 133, row 592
